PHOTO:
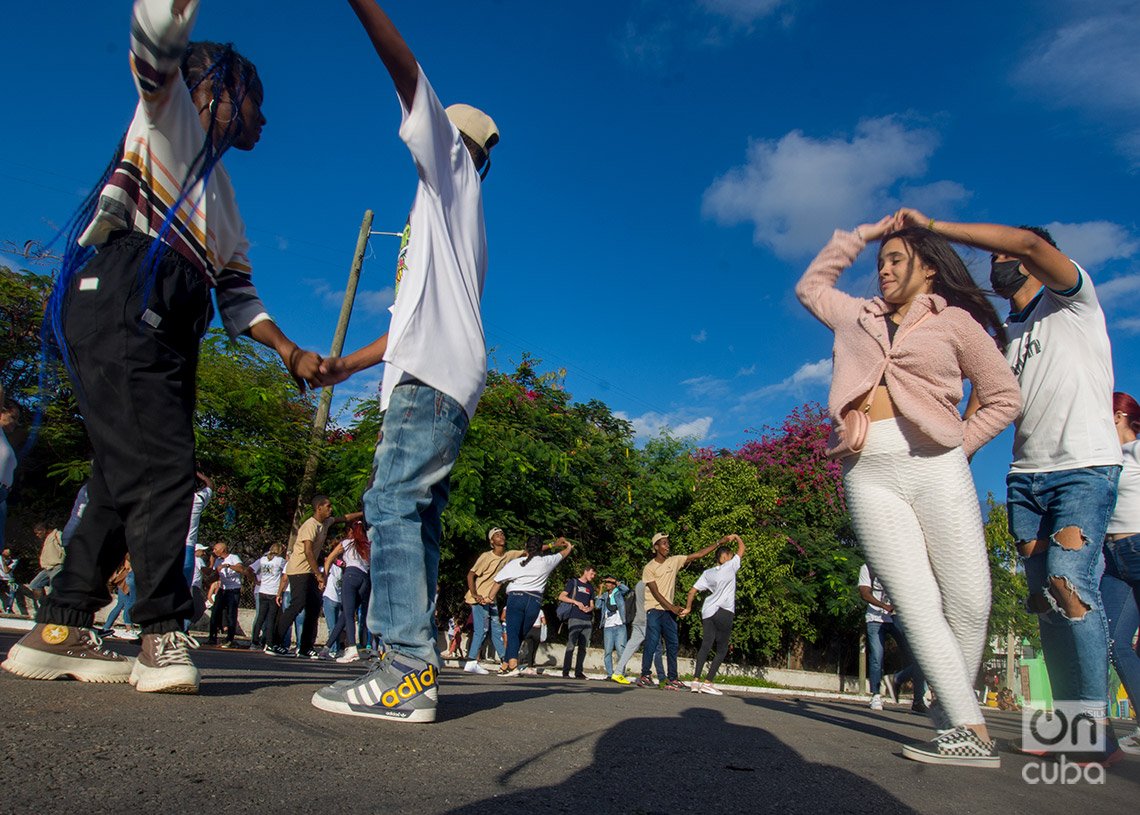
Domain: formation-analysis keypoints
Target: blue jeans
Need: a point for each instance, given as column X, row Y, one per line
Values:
column 420, row 438
column 522, row 611
column 876, row 640
column 1120, row 588
column 1039, row 506
column 660, row 624
column 123, row 604
column 3, row 511
column 353, row 598
column 480, row 616
column 333, row 611
column 613, row 639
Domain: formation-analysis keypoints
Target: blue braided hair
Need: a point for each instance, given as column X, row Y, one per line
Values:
column 220, row 70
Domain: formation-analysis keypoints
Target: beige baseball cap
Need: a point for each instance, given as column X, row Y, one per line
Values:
column 659, row 536
column 475, row 124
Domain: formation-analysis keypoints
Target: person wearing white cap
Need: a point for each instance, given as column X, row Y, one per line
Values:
column 436, row 371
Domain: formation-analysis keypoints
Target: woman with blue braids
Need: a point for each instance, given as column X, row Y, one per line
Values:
column 128, row 312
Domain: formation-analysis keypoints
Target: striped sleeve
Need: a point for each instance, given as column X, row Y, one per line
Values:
column 238, row 301
column 158, row 41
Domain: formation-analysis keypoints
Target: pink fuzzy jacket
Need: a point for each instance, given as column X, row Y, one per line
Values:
column 926, row 367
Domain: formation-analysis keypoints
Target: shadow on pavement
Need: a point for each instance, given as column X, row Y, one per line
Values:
column 695, row 761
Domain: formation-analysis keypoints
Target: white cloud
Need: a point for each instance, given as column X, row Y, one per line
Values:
column 1110, row 292
column 743, row 11
column 1091, row 64
column 367, row 301
column 700, row 336
column 798, row 189
column 1129, row 325
column 1093, row 242
column 709, row 387
column 650, row 424
column 807, row 375
column 751, row 369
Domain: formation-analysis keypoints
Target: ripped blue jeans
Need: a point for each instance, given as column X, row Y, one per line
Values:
column 1064, row 583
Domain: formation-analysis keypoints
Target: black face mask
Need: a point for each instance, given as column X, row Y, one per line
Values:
column 1006, row 278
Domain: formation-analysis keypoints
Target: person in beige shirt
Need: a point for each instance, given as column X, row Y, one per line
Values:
column 660, row 577
column 51, row 559
column 480, row 596
column 304, row 578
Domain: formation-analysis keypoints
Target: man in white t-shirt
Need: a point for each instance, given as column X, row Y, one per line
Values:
column 717, row 612
column 1061, row 488
column 230, row 571
column 880, row 619
column 436, row 371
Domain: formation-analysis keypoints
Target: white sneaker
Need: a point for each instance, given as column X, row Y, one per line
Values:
column 350, row 655
column 474, row 667
column 695, row 686
column 1131, row 744
column 876, row 702
column 707, row 687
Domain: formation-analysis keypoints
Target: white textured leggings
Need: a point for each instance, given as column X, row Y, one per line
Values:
column 916, row 516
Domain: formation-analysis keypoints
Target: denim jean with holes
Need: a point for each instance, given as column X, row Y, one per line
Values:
column 1120, row 588
column 1039, row 506
column 420, row 437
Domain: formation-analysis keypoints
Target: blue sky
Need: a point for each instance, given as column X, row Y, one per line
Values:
column 666, row 169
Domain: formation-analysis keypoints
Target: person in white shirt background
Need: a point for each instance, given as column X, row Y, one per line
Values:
column 717, row 612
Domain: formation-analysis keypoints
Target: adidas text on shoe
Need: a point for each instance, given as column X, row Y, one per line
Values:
column 960, row 747
column 50, row 651
column 164, row 664
column 398, row 687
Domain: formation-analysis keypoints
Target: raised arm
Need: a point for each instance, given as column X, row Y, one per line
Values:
column 160, row 30
column 816, row 289
column 394, row 52
column 336, row 552
column 700, row 553
column 1040, row 258
column 206, row 480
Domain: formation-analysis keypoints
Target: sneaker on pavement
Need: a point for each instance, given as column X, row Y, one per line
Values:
column 707, row 687
column 534, row 672
column 876, row 702
column 351, row 654
column 325, row 653
column 892, row 688
column 960, row 747
column 619, row 678
column 644, row 682
column 473, row 667
column 164, row 664
column 229, row 644
column 509, row 671
column 695, row 686
column 673, row 684
column 397, row 687
column 1131, row 744
column 50, row 651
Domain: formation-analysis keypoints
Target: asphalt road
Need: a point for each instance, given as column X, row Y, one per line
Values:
column 252, row 743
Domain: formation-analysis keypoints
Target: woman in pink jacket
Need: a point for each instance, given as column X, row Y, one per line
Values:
column 901, row 360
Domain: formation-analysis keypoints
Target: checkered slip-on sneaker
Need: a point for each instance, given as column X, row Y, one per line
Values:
column 397, row 687
column 50, row 651
column 960, row 747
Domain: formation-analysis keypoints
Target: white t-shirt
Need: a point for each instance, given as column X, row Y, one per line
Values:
column 267, row 570
column 529, row 577
column 199, row 565
column 874, row 613
column 201, row 498
column 720, row 582
column 7, row 461
column 436, row 331
column 228, row 577
column 1126, row 516
column 353, row 558
column 1062, row 358
column 333, row 581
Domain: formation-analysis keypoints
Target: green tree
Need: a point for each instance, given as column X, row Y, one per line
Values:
column 1008, row 614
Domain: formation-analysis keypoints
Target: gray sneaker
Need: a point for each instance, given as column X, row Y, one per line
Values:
column 50, row 651
column 397, row 687
column 164, row 664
